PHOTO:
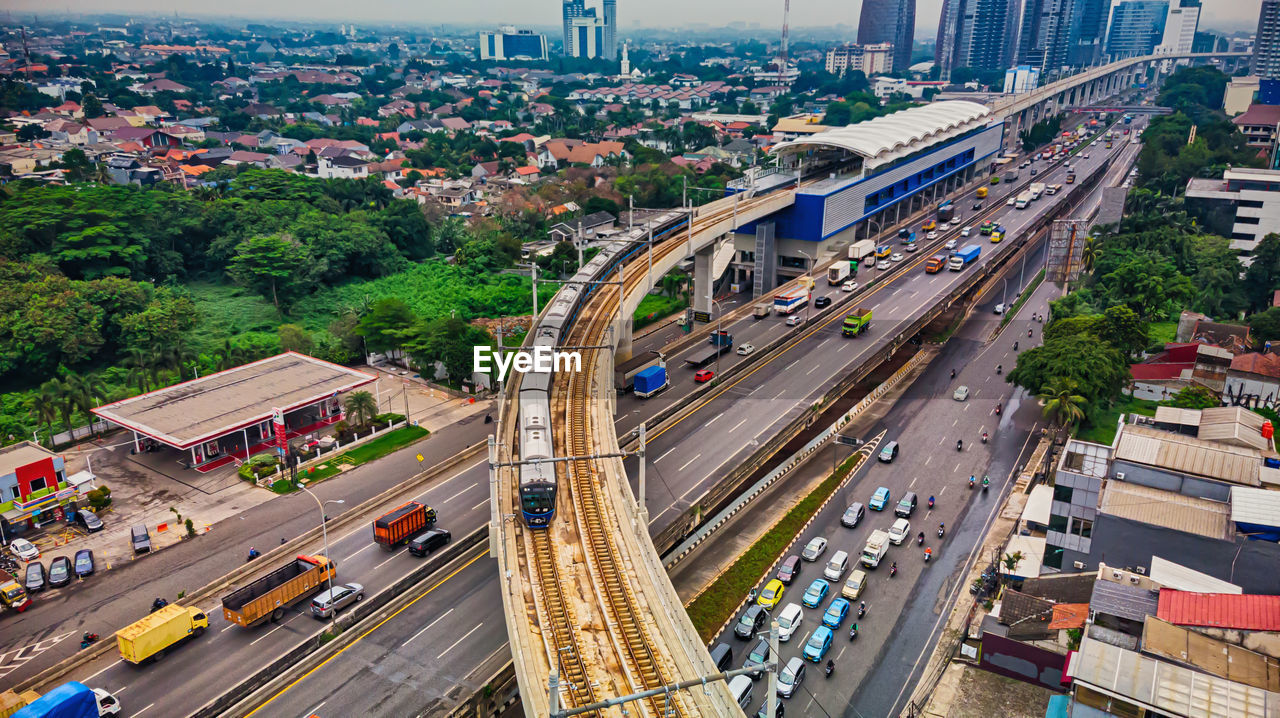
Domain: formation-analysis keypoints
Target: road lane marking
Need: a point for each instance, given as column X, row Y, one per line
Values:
column 357, row 553
column 927, row 459
column 144, row 710
column 104, row 670
column 364, row 635
column 714, row 420
column 912, row 485
column 460, row 640
column 740, row 423
column 482, row 503
column 318, row 706
column 690, row 461
column 268, row 633
column 426, row 628
column 664, row 454
column 815, row 368
column 451, row 498
column 394, row 556
column 775, row 398
column 957, row 469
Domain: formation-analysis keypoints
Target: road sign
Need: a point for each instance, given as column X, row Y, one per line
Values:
column 848, row 440
column 704, row 317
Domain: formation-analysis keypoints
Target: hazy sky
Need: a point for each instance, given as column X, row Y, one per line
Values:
column 1223, row 14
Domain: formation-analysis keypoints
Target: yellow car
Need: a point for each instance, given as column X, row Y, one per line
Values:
column 771, row 594
column 930, row 226
column 996, row 237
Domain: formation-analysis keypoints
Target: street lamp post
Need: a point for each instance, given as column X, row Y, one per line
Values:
column 809, row 276
column 324, row 531
column 719, row 337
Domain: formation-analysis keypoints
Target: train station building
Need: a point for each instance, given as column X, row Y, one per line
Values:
column 214, row 420
column 882, row 171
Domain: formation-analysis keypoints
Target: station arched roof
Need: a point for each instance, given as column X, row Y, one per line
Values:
column 883, row 139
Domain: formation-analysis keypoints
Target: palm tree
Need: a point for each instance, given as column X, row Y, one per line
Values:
column 84, row 392
column 44, row 406
column 1011, row 561
column 361, row 405
column 1089, row 254
column 1061, row 402
column 64, row 398
column 138, row 363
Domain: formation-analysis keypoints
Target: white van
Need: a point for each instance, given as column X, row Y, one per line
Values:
column 740, row 687
column 836, row 567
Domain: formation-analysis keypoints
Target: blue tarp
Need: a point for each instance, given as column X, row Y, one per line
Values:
column 69, row 700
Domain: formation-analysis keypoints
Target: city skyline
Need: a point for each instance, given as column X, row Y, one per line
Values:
column 766, row 14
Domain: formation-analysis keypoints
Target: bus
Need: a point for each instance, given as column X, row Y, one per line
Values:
column 946, row 211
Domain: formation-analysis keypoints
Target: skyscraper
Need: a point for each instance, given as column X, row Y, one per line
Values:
column 1058, row 34
column 588, row 34
column 610, row 51
column 1266, row 44
column 889, row 21
column 980, row 34
column 1087, row 26
column 1135, row 27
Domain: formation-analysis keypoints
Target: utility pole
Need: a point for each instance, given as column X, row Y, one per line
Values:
column 771, row 700
column 533, row 264
column 641, row 509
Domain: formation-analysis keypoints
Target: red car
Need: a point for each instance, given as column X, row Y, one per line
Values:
column 703, row 375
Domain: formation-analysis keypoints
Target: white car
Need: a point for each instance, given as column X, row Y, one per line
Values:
column 963, row 233
column 1012, row 201
column 898, row 532
column 1000, row 309
column 951, row 244
column 897, row 257
column 745, row 349
column 814, row 549
column 1084, row 155
column 910, row 247
column 931, row 235
column 24, row 549
column 795, row 320
column 883, row 264
column 789, row 620
column 849, row 287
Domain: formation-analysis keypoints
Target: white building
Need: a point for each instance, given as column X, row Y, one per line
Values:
column 870, row 59
column 586, row 37
column 1239, row 95
column 1255, row 194
column 342, row 167
column 509, row 43
column 1179, row 30
column 883, row 87
column 1020, row 79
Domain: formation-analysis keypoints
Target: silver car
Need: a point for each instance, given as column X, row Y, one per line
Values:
column 327, row 603
column 814, row 550
column 791, row 677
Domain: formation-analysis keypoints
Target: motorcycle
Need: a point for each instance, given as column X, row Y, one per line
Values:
column 893, row 570
column 920, row 539
column 985, row 483
column 971, row 482
column 253, row 553
column 862, row 607
column 959, row 444
column 941, row 530
column 999, row 408
column 853, row 632
column 999, row 369
column 831, row 666
column 1015, row 346
column 984, row 437
column 927, row 553
column 158, row 604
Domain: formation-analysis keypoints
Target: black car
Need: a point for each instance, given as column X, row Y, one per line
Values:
column 36, row 578
column 977, row 205
column 89, row 521
column 59, row 572
column 428, row 541
column 782, row 710
column 821, row 302
column 752, row 620
column 788, row 570
column 84, row 563
column 757, row 658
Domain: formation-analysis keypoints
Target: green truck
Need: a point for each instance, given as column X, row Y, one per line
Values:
column 856, row 322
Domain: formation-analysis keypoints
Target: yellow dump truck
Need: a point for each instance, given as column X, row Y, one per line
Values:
column 269, row 596
column 10, row 701
column 155, row 634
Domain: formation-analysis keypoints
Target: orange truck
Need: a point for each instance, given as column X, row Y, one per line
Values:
column 935, row 264
column 402, row 523
column 270, row 595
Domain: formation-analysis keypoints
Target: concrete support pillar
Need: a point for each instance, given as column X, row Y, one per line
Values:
column 703, row 259
column 625, row 330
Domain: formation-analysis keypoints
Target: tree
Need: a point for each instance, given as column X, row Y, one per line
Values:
column 92, row 107
column 1124, row 330
column 387, row 324
column 1265, row 325
column 1011, row 561
column 362, row 405
column 272, row 265
column 1098, row 369
column 1062, row 404
column 1195, row 396
column 1262, row 277
column 44, row 407
column 450, row 342
column 294, row 338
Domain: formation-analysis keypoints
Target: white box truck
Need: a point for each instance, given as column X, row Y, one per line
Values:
column 862, row 249
column 837, row 273
column 877, row 546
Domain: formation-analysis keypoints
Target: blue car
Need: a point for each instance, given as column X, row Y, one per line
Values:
column 818, row 644
column 816, row 593
column 836, row 612
column 880, row 499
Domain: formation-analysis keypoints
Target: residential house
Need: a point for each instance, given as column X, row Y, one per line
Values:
column 484, row 170
column 342, row 166
column 73, row 133
column 587, row 227
column 245, row 157
column 108, row 124
column 160, row 85
column 1254, row 380
column 456, row 197
column 148, row 137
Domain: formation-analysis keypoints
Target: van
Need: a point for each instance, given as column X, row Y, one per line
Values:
column 722, row 656
column 836, row 567
column 140, row 539
column 889, row 452
column 428, row 541
column 906, row 506
column 741, row 687
column 855, row 584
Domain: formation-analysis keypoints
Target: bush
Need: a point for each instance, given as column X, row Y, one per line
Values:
column 258, row 466
column 191, row 528
column 99, row 498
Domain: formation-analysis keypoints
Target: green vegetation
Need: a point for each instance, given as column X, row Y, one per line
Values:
column 717, row 602
column 656, row 307
column 1041, row 133
column 1101, row 425
column 1022, row 298
column 377, row 448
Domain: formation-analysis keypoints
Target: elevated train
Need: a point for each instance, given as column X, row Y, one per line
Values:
column 538, row 479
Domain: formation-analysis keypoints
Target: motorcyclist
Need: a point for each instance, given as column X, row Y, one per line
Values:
column 999, row 408
column 942, row 529
column 1028, row 333
column 930, row 502
column 928, row 552
column 999, row 368
column 984, row 437
column 831, row 666
column 971, row 480
column 953, row 373
column 253, row 553
column 986, row 481
column 920, row 538
column 1015, row 346
column 158, row 604
column 959, row 444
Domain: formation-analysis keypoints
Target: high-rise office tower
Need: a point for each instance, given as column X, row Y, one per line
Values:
column 588, row 33
column 610, row 51
column 1088, row 25
column 981, row 34
column 1136, row 26
column 571, row 9
column 889, row 21
column 1266, row 44
column 1060, row 34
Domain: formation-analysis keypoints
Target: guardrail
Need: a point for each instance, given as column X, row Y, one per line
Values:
column 246, row 571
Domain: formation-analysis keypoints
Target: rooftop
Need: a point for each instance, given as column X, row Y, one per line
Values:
column 1174, row 575
column 1217, row 657
column 1259, row 115
column 1256, row 507
column 1267, row 365
column 1166, row 508
column 1175, row 452
column 1120, row 599
column 21, row 454
column 884, row 139
column 1245, row 612
column 186, row 414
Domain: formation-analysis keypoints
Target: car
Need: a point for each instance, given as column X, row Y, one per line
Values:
column 816, row 593
column 820, row 302
column 24, row 549
column 898, row 531
column 889, row 452
column 931, row 235
column 791, row 677
column 910, row 247
column 757, row 657
column 906, row 505
column 428, row 541
column 140, row 539
column 740, row 687
column 897, row 257
column 1000, row 308
column 745, row 349
column 951, row 244
column 961, row 393
column 329, row 601
column 722, row 656
column 788, row 621
column 836, row 567
column 764, row 711
column 795, row 320
column 854, row 585
column 930, row 225
column 36, row 579
column 836, row 613
column 883, row 265
column 849, row 287
column 1034, row 171
column 1132, row 173
column 977, row 206
column 995, row 180
column 751, row 620
column 1084, row 155
column 89, row 521
column 59, row 572
column 852, row 515
column 771, row 594
column 703, row 375
column 1025, row 164
column 1011, row 202
column 965, row 232
column 789, row 569
column 879, row 499
column 84, row 563
column 814, row 549
column 815, row 649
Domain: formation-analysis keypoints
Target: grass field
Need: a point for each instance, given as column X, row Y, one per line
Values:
column 655, row 307
column 1101, row 427
column 388, row 443
column 1162, row 332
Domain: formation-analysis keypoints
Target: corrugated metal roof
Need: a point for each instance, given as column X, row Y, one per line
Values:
column 1121, row 599
column 1174, row 575
column 1144, row 445
column 1234, row 425
column 1069, row 615
column 1260, row 507
column 1174, row 415
column 1166, row 508
column 1245, row 612
column 1217, row 657
column 1168, row 688
column 1039, row 505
